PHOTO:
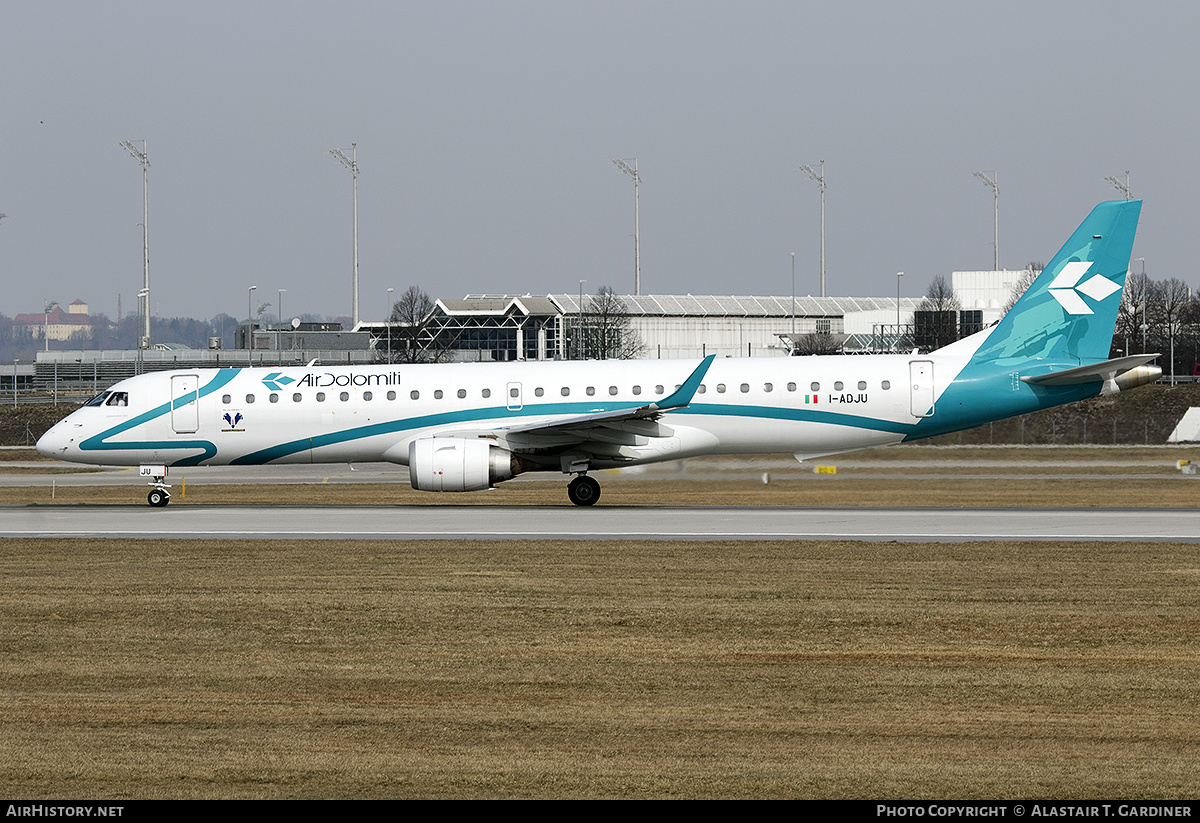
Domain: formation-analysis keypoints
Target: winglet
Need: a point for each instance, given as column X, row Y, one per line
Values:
column 683, row 395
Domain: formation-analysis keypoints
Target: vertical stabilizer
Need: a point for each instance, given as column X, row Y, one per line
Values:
column 1068, row 313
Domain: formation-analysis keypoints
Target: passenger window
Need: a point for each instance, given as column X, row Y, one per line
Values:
column 367, row 395
column 226, row 399
column 249, row 398
column 837, row 386
column 637, row 389
column 296, row 397
column 745, row 387
column 658, row 389
column 591, row 391
column 862, row 385
column 487, row 392
column 391, row 395
column 720, row 388
column 612, row 389
column 462, row 393
column 791, row 386
column 768, row 387
column 414, row 394
column 437, row 394
column 885, row 385
column 514, row 392
column 814, row 387
column 320, row 397
column 702, row 389
column 273, row 397
column 344, row 396
column 539, row 391
column 565, row 392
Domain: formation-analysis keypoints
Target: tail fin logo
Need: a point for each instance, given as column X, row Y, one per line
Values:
column 1066, row 287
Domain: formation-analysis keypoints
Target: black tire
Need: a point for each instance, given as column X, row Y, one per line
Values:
column 158, row 498
column 583, row 491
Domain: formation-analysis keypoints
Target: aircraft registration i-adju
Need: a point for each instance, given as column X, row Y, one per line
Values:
column 468, row 426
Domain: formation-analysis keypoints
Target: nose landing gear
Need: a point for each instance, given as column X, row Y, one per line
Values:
column 159, row 495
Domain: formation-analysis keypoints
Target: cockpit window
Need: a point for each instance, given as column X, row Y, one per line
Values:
column 99, row 399
column 118, row 398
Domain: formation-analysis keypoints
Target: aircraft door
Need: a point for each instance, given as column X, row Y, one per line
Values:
column 920, row 374
column 185, row 406
column 515, row 402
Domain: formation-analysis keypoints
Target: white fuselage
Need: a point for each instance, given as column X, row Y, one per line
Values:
column 809, row 406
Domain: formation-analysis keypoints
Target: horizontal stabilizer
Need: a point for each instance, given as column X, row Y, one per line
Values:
column 1109, row 372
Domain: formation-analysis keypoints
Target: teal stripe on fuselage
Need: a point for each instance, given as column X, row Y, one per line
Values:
column 208, row 448
column 499, row 414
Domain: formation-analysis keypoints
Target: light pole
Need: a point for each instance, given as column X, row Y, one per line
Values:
column 579, row 331
column 819, row 179
column 15, row 361
column 387, row 324
column 351, row 163
column 991, row 183
column 279, row 327
column 144, row 160
column 637, row 249
column 47, row 306
column 899, row 274
column 1119, row 186
column 143, row 297
column 793, row 256
column 250, row 317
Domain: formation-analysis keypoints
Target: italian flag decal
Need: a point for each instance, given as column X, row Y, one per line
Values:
column 810, row 398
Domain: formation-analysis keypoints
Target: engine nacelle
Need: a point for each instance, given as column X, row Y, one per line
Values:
column 455, row 464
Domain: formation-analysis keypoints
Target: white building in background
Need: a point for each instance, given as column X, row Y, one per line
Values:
column 986, row 291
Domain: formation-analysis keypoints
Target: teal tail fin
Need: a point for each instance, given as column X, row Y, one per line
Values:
column 1068, row 313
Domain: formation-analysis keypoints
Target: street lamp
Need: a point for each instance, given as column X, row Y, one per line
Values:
column 991, row 183
column 142, row 158
column 15, row 361
column 637, row 249
column 819, row 179
column 351, row 163
column 1119, row 186
column 279, row 326
column 579, row 331
column 899, row 274
column 792, row 254
column 387, row 324
column 48, row 305
column 250, row 317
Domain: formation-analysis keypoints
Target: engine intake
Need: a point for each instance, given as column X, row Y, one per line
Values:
column 455, row 464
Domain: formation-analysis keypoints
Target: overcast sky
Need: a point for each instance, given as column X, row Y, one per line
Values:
column 486, row 131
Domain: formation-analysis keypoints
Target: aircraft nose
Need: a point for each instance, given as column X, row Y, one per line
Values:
column 54, row 442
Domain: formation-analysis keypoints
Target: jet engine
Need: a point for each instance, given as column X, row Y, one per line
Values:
column 455, row 464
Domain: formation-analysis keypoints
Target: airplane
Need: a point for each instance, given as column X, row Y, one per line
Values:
column 468, row 426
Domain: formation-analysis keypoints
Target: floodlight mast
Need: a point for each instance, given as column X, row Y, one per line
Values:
column 991, row 183
column 637, row 249
column 819, row 179
column 1119, row 186
column 143, row 158
column 351, row 163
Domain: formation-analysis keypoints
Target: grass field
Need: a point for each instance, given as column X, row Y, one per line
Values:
column 570, row 669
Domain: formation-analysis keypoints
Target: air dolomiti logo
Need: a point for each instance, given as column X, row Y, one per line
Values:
column 1066, row 287
column 275, row 381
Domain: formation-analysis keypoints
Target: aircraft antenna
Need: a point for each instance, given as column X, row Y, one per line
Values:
column 819, row 179
column 990, row 182
column 351, row 163
column 637, row 249
column 141, row 156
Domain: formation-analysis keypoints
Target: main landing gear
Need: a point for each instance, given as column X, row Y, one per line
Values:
column 583, row 491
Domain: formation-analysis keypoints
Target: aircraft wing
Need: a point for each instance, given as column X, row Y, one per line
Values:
column 636, row 420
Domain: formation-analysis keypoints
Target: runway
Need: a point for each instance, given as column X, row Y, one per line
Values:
column 600, row 523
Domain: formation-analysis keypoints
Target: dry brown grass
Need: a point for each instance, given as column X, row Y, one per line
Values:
column 571, row 669
column 843, row 489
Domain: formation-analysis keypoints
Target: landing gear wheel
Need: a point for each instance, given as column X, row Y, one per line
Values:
column 158, row 498
column 583, row 491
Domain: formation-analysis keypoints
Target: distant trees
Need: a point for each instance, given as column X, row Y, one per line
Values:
column 936, row 318
column 1032, row 270
column 413, row 334
column 604, row 329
